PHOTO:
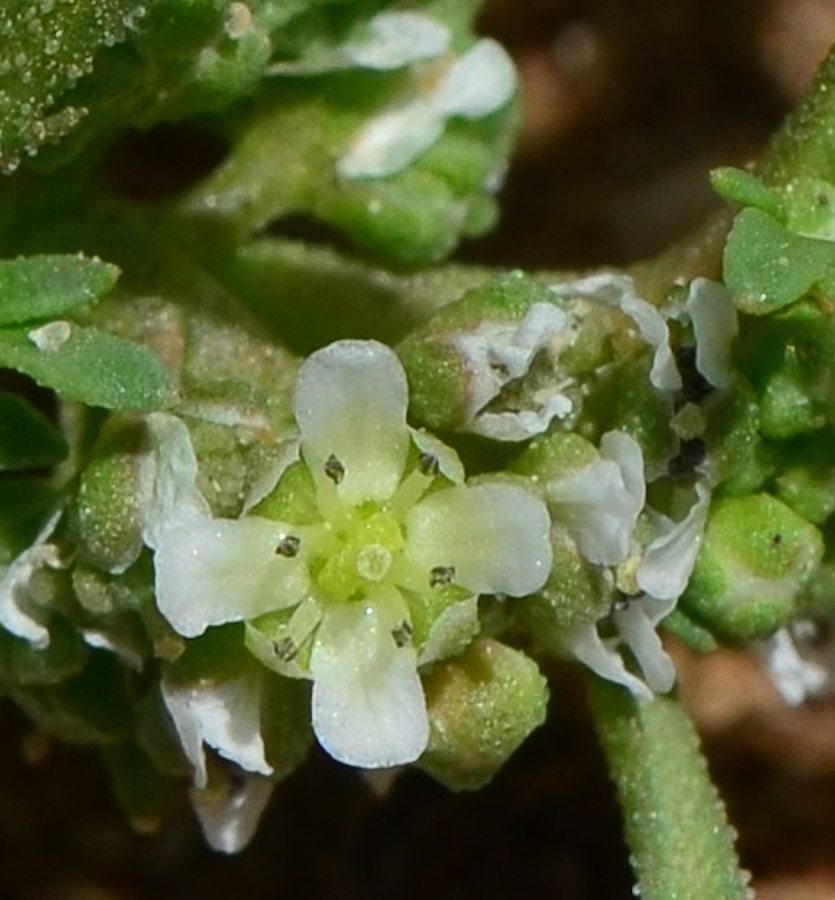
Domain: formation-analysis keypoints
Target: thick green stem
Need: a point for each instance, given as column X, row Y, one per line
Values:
column 805, row 144
column 681, row 843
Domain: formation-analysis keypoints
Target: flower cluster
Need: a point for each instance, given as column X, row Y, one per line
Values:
column 362, row 564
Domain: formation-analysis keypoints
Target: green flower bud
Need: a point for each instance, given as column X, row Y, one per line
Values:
column 756, row 558
column 106, row 515
column 482, row 705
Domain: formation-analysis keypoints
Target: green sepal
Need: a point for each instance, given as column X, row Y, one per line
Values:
column 90, row 366
column 787, row 359
column 806, row 479
column 768, row 266
column 23, row 664
column 94, row 706
column 28, row 440
column 625, row 400
column 48, row 286
column 482, row 705
column 688, row 631
column 142, row 790
column 756, row 558
column 293, row 499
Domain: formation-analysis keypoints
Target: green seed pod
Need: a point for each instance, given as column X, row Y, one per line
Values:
column 482, row 705
column 755, row 560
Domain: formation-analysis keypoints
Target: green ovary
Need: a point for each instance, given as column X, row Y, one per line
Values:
column 365, row 551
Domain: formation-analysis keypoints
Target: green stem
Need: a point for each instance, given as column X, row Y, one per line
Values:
column 682, row 845
column 805, row 143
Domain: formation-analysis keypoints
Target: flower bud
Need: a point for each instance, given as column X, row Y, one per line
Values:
column 481, row 705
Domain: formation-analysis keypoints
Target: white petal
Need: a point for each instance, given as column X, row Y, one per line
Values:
column 478, row 83
column 229, row 812
column 599, row 504
column 451, row 632
column 495, row 536
column 668, row 561
column 584, row 642
column 397, row 39
column 715, row 327
column 368, row 703
column 224, row 715
column 390, row 141
column 449, row 464
column 14, row 585
column 168, row 493
column 638, row 631
column 664, row 373
column 351, row 402
column 225, row 570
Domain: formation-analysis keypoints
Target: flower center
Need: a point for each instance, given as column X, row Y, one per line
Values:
column 361, row 557
column 373, row 562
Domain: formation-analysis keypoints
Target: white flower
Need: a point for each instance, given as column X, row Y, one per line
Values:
column 715, row 327
column 387, row 542
column 599, row 505
column 480, row 82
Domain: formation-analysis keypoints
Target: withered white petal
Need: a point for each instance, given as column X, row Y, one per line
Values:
column 600, row 503
column 14, row 586
column 229, row 812
column 224, row 715
column 480, row 82
column 715, row 326
column 395, row 39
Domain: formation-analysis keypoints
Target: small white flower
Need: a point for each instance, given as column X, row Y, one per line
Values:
column 599, row 506
column 615, row 289
column 478, row 83
column 387, row 542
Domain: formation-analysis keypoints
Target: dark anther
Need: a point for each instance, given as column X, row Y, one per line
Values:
column 285, row 649
column 691, row 455
column 402, row 634
column 428, row 464
column 694, row 386
column 288, row 546
column 334, row 469
column 441, row 576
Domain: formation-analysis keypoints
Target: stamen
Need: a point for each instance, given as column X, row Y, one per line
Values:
column 285, row 649
column 334, row 469
column 428, row 464
column 288, row 546
column 441, row 576
column 402, row 634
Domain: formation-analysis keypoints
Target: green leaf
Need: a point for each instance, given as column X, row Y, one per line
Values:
column 40, row 287
column 28, row 440
column 87, row 365
column 48, row 46
column 767, row 266
column 25, row 504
